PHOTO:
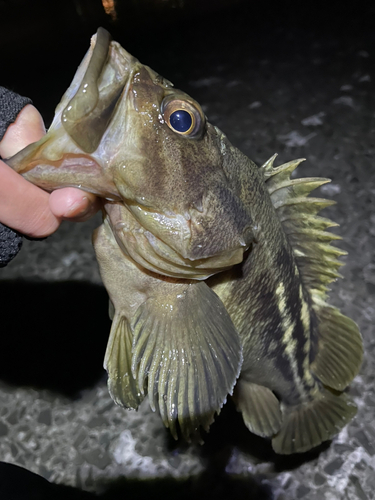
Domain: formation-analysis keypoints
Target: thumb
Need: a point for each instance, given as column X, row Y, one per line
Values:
column 27, row 128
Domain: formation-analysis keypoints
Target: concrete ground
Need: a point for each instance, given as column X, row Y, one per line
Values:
column 296, row 80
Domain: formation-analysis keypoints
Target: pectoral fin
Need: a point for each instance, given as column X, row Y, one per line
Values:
column 171, row 338
column 188, row 353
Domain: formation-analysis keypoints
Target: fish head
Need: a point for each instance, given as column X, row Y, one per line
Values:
column 171, row 172
column 126, row 134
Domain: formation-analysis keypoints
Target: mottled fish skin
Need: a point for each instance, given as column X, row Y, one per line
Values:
column 270, row 304
column 267, row 301
column 216, row 269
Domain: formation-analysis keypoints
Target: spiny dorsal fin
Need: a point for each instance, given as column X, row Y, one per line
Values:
column 306, row 231
column 339, row 353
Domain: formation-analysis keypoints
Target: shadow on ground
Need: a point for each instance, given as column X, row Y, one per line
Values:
column 53, row 335
column 17, row 483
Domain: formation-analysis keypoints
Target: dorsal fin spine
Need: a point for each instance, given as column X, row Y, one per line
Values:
column 339, row 354
column 298, row 213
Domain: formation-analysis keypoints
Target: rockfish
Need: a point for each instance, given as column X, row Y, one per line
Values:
column 216, row 269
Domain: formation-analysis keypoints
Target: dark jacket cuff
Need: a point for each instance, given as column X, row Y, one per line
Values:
column 10, row 106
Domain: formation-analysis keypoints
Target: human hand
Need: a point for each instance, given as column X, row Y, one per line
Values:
column 25, row 207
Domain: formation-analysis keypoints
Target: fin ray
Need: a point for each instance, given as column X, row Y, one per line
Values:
column 310, row 424
column 122, row 386
column 188, row 350
column 260, row 408
column 339, row 353
column 298, row 212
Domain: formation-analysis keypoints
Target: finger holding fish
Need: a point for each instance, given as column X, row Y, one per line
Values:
column 24, row 207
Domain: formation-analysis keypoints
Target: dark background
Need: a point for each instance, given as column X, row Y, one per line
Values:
column 42, row 42
column 259, row 68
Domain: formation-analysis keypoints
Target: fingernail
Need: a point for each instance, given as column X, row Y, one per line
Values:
column 76, row 210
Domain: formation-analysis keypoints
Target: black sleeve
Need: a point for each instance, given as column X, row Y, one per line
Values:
column 10, row 106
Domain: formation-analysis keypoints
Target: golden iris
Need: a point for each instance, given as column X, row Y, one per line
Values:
column 182, row 117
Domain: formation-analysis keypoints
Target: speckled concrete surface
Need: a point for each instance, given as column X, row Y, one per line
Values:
column 299, row 92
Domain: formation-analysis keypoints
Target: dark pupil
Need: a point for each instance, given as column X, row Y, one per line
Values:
column 180, row 120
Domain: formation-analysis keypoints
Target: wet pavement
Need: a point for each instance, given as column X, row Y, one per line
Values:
column 296, row 82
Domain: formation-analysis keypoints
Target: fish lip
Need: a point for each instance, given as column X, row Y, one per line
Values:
column 118, row 70
column 94, row 69
column 87, row 115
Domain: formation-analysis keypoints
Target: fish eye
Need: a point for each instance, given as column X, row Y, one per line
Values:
column 182, row 117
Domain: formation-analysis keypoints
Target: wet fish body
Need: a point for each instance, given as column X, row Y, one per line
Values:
column 217, row 270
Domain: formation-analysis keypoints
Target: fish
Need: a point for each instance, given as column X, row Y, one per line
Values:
column 217, row 270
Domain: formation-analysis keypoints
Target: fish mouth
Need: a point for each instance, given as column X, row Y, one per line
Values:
column 88, row 113
column 71, row 154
